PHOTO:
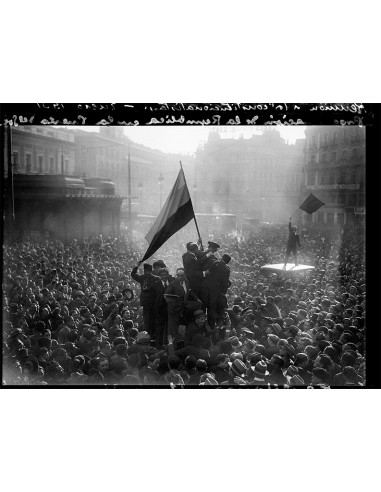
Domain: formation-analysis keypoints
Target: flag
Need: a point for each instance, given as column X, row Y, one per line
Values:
column 176, row 213
column 311, row 204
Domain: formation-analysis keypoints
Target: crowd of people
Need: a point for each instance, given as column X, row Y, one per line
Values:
column 87, row 313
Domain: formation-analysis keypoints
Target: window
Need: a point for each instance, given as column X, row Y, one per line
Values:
column 28, row 163
column 51, row 161
column 344, row 155
column 354, row 153
column 324, row 157
column 341, row 177
column 66, row 165
column 40, row 164
column 341, row 198
column 332, row 178
column 310, row 178
column 352, row 200
column 330, row 218
column 340, row 218
column 320, row 217
column 335, row 138
column 323, row 178
column 15, row 161
column 333, row 156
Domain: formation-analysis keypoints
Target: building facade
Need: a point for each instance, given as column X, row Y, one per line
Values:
column 42, row 150
column 152, row 172
column 51, row 151
column 334, row 172
column 63, row 207
column 256, row 178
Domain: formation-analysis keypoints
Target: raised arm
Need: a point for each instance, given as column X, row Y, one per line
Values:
column 135, row 275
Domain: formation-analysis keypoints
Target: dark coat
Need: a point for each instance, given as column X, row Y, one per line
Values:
column 175, row 288
column 293, row 238
column 221, row 273
column 193, row 267
column 146, row 282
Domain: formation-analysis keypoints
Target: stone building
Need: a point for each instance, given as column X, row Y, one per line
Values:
column 257, row 178
column 64, row 207
column 42, row 150
column 152, row 172
column 334, row 172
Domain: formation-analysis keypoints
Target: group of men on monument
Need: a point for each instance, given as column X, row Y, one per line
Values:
column 170, row 304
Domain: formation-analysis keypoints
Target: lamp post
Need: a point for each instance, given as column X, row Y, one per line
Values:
column 140, row 188
column 195, row 196
column 161, row 179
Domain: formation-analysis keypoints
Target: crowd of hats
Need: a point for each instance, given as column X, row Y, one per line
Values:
column 71, row 315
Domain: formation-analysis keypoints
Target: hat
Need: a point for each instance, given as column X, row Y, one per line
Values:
column 237, row 301
column 32, row 363
column 289, row 349
column 235, row 342
column 260, row 369
column 274, row 338
column 296, row 381
column 302, row 304
column 226, row 258
column 128, row 294
column 198, row 314
column 292, row 370
column 143, row 338
column 278, row 360
column 276, row 328
column 209, row 381
column 213, row 245
column 247, row 331
column 236, row 355
column 238, row 367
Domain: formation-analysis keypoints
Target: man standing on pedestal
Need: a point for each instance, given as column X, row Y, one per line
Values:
column 292, row 243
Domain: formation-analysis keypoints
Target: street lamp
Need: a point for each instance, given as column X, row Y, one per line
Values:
column 195, row 195
column 140, row 188
column 161, row 179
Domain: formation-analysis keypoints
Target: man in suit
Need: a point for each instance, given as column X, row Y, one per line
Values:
column 146, row 296
column 221, row 270
column 193, row 261
column 160, row 306
column 211, row 284
column 181, row 301
column 293, row 241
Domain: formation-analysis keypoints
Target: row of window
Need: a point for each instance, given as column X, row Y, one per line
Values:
column 41, row 165
column 336, row 176
column 324, row 140
column 325, row 157
column 342, row 198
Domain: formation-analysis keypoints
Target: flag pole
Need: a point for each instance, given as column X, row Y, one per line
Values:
column 194, row 213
